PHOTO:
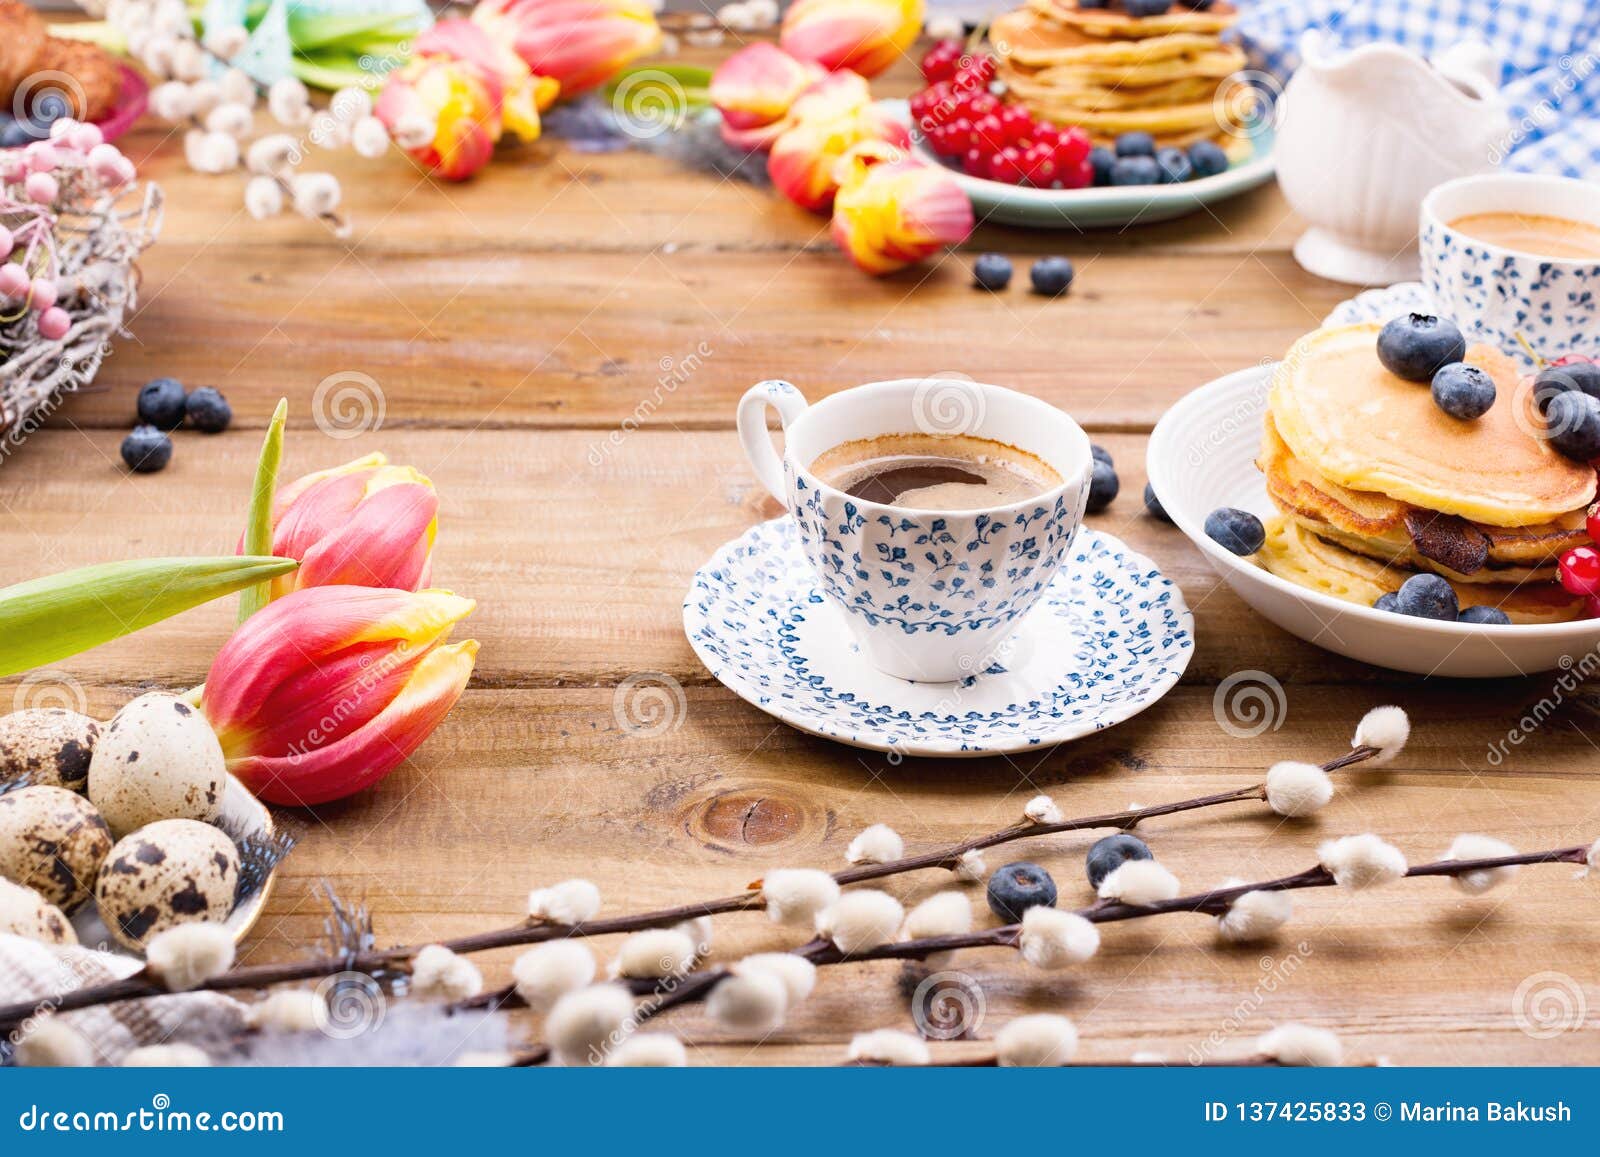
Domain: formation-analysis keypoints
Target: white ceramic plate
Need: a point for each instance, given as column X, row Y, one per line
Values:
column 1100, row 208
column 240, row 810
column 1109, row 638
column 1202, row 456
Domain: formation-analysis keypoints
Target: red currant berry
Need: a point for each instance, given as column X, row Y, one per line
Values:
column 1045, row 133
column 1079, row 176
column 961, row 136
column 1016, row 122
column 988, row 133
column 1592, row 523
column 976, row 162
column 1006, row 165
column 981, row 104
column 1579, row 569
column 1591, row 607
column 940, row 61
column 1073, row 147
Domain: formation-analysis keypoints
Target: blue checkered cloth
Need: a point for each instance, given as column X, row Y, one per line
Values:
column 1550, row 50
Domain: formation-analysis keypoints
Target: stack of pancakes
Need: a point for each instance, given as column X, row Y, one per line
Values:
column 1375, row 483
column 1110, row 73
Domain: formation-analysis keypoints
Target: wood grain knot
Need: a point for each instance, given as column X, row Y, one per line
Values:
column 746, row 818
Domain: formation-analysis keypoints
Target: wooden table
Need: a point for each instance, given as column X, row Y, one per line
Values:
column 560, row 345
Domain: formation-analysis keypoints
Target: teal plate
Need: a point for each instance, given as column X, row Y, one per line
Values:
column 997, row 202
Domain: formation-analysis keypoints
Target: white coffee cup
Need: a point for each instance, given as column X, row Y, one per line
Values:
column 1506, row 296
column 928, row 594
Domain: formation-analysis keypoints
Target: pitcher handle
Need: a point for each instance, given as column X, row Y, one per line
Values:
column 752, row 423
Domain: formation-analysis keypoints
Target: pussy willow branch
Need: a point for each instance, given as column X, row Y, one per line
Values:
column 671, row 992
column 140, row 986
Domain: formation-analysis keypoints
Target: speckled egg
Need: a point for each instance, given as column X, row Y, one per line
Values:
column 53, row 841
column 166, row 873
column 157, row 759
column 49, row 745
column 23, row 912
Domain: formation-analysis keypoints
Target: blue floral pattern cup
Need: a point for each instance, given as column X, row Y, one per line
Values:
column 930, row 595
column 1504, row 296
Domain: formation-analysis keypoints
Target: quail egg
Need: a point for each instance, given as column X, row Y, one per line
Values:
column 23, row 912
column 53, row 841
column 50, row 745
column 166, row 873
column 157, row 759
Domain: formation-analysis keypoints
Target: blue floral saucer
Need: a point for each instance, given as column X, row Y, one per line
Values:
column 1109, row 638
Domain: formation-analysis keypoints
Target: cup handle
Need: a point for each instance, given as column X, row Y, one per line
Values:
column 752, row 423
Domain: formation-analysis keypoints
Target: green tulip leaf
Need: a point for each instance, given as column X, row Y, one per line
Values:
column 258, row 525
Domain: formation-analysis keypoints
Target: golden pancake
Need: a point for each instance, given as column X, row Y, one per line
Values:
column 1358, row 425
column 1382, row 528
column 1103, row 98
column 1194, row 119
column 1025, row 39
column 1221, row 61
column 1298, row 556
column 1111, row 23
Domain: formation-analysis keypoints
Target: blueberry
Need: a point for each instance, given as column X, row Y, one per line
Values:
column 1386, row 602
column 1135, row 171
column 1109, row 854
column 1427, row 596
column 1101, row 454
column 1100, row 161
column 1553, row 380
column 147, row 450
column 1572, row 424
column 1139, row 8
column 161, row 403
column 991, row 271
column 1235, row 530
column 14, row 134
column 1017, row 887
column 1092, row 3
column 1103, row 487
column 1174, row 165
column 209, row 411
column 1051, row 276
column 1463, row 391
column 1415, row 346
column 1153, row 504
column 1208, row 158
column 1484, row 616
column 1136, row 145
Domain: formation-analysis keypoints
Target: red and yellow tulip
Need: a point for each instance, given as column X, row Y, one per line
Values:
column 758, row 85
column 805, row 157
column 329, row 689
column 864, row 35
column 892, row 210
column 366, row 523
column 580, row 43
column 470, row 90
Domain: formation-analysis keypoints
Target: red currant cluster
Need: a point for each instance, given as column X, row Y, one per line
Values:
column 1579, row 568
column 964, row 121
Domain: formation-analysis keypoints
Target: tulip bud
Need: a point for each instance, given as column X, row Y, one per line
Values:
column 365, row 523
column 892, row 211
column 757, row 85
column 327, row 690
column 804, row 161
column 864, row 35
column 578, row 43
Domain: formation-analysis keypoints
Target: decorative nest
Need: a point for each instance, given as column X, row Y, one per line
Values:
column 96, row 250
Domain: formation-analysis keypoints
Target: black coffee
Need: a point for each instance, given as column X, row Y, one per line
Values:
column 935, row 472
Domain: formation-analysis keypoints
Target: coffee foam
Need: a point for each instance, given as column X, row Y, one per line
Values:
column 935, row 472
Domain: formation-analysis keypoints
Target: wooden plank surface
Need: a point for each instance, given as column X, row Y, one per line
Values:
column 517, row 333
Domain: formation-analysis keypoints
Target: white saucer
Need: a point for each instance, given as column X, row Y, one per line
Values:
column 1110, row 637
column 1383, row 305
